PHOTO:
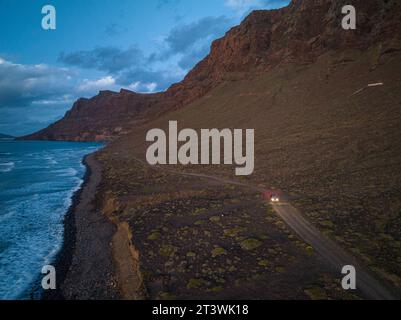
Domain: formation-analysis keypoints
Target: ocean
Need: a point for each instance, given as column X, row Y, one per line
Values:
column 37, row 182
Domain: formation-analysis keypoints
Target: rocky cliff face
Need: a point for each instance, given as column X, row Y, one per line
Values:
column 266, row 39
column 298, row 33
column 100, row 118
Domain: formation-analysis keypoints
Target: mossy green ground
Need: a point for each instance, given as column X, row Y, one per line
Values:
column 196, row 240
column 336, row 154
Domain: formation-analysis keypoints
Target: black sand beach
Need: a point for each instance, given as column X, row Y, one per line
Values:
column 84, row 265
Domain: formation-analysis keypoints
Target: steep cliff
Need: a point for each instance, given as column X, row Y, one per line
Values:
column 297, row 34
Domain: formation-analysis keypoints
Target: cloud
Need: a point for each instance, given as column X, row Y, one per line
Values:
column 193, row 56
column 21, row 85
column 274, row 4
column 167, row 3
column 114, row 29
column 33, row 96
column 25, row 120
column 183, row 37
column 143, row 87
column 105, row 83
column 179, row 50
column 110, row 59
column 124, row 66
column 61, row 100
column 243, row 7
column 189, row 43
column 146, row 80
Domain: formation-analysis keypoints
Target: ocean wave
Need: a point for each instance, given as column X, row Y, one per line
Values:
column 34, row 202
column 7, row 215
column 7, row 166
column 50, row 160
column 68, row 199
column 69, row 172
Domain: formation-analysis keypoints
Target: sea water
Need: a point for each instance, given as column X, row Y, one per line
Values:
column 37, row 182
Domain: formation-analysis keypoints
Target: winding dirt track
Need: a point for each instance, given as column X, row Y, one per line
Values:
column 367, row 284
column 371, row 288
column 328, row 249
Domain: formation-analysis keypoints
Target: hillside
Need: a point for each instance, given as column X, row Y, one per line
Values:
column 5, row 137
column 323, row 134
column 336, row 154
column 297, row 34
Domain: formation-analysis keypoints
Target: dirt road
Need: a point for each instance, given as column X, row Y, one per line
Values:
column 368, row 285
column 328, row 249
column 325, row 247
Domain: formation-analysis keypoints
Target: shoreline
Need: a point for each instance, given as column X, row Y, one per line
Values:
column 63, row 259
column 80, row 264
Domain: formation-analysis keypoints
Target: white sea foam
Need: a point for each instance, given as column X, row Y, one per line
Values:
column 50, row 160
column 69, row 172
column 7, row 166
column 34, row 201
column 7, row 215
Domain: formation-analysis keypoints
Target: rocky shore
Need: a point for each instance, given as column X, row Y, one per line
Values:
column 86, row 271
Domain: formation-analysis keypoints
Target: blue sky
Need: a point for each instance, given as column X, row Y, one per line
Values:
column 139, row 45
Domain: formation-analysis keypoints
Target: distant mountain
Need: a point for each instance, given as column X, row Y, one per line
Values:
column 5, row 137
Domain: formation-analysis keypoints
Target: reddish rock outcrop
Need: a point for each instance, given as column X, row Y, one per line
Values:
column 103, row 117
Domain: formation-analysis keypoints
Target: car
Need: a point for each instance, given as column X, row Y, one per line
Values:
column 274, row 198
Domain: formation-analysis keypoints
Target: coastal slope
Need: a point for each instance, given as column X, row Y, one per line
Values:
column 325, row 104
column 6, row 137
column 265, row 40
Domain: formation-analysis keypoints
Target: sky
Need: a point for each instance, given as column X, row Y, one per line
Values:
column 139, row 45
